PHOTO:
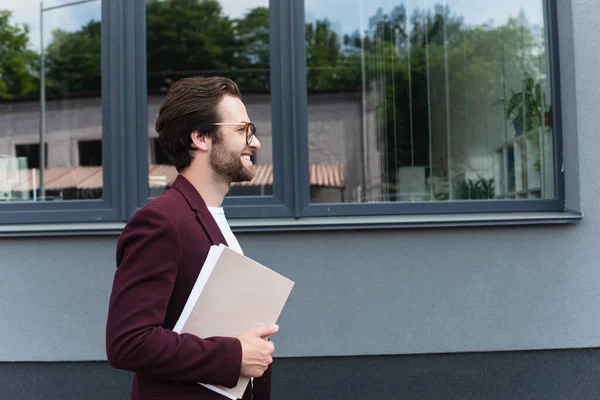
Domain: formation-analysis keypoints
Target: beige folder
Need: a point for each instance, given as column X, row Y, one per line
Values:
column 232, row 294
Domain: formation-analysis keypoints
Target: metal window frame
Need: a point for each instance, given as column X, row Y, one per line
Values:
column 307, row 209
column 281, row 202
column 125, row 155
column 111, row 206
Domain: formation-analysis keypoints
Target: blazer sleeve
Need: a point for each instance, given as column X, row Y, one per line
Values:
column 148, row 254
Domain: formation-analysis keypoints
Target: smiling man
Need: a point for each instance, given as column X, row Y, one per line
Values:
column 206, row 132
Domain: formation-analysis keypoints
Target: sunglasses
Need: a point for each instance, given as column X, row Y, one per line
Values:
column 249, row 126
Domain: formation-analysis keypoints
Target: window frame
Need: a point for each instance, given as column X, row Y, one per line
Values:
column 125, row 155
column 109, row 208
column 281, row 203
column 308, row 209
column 16, row 144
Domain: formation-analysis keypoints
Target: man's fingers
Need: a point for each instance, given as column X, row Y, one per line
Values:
column 266, row 330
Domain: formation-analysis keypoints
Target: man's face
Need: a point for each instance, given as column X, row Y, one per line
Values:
column 230, row 158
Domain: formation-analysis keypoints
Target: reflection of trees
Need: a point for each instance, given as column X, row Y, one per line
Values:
column 73, row 61
column 194, row 37
column 432, row 74
column 17, row 63
column 184, row 37
column 191, row 37
column 428, row 70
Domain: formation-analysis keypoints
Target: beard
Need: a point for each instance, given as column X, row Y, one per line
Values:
column 229, row 165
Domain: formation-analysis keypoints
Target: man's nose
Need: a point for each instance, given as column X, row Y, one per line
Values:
column 255, row 143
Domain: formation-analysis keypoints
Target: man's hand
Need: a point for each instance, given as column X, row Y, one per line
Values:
column 257, row 352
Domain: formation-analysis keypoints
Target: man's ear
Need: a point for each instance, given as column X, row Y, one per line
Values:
column 199, row 141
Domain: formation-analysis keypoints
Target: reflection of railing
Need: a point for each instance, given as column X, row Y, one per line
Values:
column 42, row 173
column 8, row 178
column 524, row 167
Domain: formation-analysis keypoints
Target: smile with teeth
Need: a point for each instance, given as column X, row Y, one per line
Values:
column 247, row 158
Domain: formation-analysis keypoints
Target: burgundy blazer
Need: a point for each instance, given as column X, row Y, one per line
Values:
column 159, row 256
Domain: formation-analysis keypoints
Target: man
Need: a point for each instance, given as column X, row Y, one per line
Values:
column 205, row 130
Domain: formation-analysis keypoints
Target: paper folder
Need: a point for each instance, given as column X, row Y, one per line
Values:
column 232, row 294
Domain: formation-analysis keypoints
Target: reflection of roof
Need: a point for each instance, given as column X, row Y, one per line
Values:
column 329, row 175
column 326, row 175
column 57, row 178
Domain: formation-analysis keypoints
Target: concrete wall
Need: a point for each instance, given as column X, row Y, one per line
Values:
column 387, row 292
column 371, row 292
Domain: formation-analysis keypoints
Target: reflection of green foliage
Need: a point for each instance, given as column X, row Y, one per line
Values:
column 18, row 64
column 322, row 56
column 194, row 38
column 406, row 60
column 73, row 61
column 426, row 72
column 441, row 196
column 184, row 38
column 252, row 50
column 527, row 106
column 481, row 189
column 433, row 72
column 187, row 37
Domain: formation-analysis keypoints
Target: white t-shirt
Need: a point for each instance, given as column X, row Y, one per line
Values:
column 219, row 216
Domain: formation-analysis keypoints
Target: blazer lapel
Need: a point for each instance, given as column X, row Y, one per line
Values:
column 203, row 214
column 210, row 226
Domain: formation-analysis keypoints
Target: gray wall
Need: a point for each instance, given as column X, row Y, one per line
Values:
column 371, row 292
column 380, row 292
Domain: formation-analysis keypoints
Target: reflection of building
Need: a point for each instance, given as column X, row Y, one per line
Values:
column 82, row 182
column 74, row 132
column 345, row 140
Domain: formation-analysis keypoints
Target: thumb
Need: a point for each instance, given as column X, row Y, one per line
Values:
column 266, row 330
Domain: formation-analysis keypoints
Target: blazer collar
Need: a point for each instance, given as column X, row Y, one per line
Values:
column 197, row 204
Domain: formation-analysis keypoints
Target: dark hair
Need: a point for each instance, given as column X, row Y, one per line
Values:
column 190, row 105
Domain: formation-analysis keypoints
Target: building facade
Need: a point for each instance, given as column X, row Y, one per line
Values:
column 429, row 176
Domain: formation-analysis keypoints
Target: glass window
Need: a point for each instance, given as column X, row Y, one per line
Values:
column 210, row 38
column 158, row 155
column 415, row 101
column 30, row 153
column 50, row 97
column 90, row 153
